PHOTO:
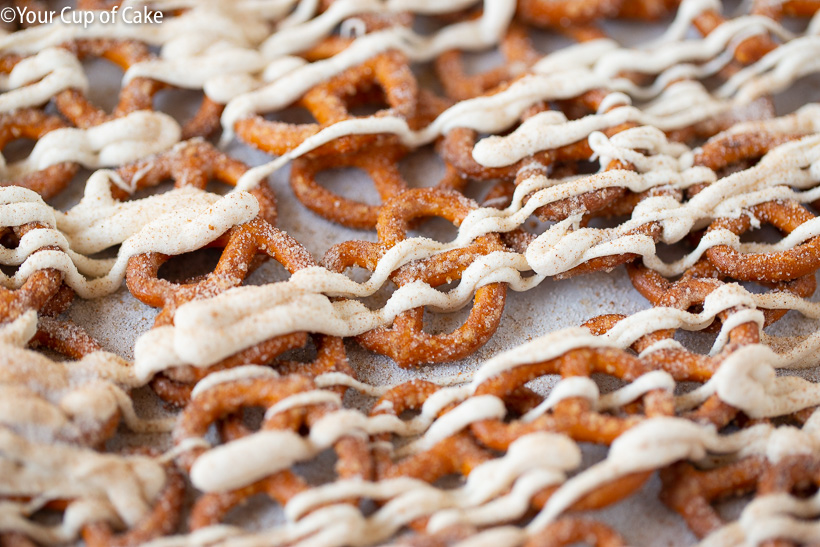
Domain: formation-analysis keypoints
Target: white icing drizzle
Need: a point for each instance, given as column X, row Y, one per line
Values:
column 122, row 140
column 78, row 396
column 227, row 50
column 102, row 486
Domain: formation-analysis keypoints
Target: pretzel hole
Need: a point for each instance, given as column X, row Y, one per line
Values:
column 608, row 222
column 293, row 114
column 476, row 62
column 18, row 149
column 320, row 470
column 367, row 109
column 422, row 168
column 765, row 234
column 107, row 77
column 255, row 514
column 450, row 481
column 252, row 417
column 429, row 24
column 547, row 41
column 350, row 183
column 671, row 253
column 379, row 299
column 682, row 388
column 445, row 322
column 607, row 383
column 269, row 272
column 190, row 266
column 181, row 104
column 47, row 516
column 304, row 354
column 730, row 505
column 435, row 228
column 696, row 341
column 805, row 490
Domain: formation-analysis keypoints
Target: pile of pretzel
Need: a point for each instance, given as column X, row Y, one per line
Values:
column 581, row 160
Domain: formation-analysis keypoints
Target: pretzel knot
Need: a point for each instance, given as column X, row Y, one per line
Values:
column 771, row 267
column 385, row 77
column 457, row 145
column 232, row 397
column 161, row 521
column 691, row 492
column 519, row 54
column 689, row 293
column 137, row 94
column 43, row 291
column 246, row 241
column 457, row 454
column 698, row 281
column 33, row 124
column 381, row 165
column 192, row 163
column 405, row 341
column 574, row 416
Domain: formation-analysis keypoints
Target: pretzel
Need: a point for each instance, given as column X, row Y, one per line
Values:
column 519, row 54
column 42, row 291
column 688, row 292
column 228, row 398
column 704, row 276
column 573, row 416
column 725, row 150
column 380, row 162
column 457, row 145
column 193, row 163
column 405, row 341
column 792, row 475
column 381, row 165
column 386, row 74
column 161, row 521
column 773, row 267
column 612, row 201
column 748, row 51
column 137, row 94
column 457, row 454
column 31, row 123
column 691, row 492
column 246, row 240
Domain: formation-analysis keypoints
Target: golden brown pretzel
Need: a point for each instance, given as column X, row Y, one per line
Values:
column 405, row 341
column 385, row 75
column 31, row 123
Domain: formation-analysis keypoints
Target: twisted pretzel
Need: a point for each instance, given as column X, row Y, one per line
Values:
column 42, row 291
column 385, row 75
column 519, row 54
column 161, row 521
column 137, row 94
column 31, row 123
column 773, row 267
column 691, row 492
column 175, row 385
column 698, row 281
column 405, row 341
column 228, row 398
